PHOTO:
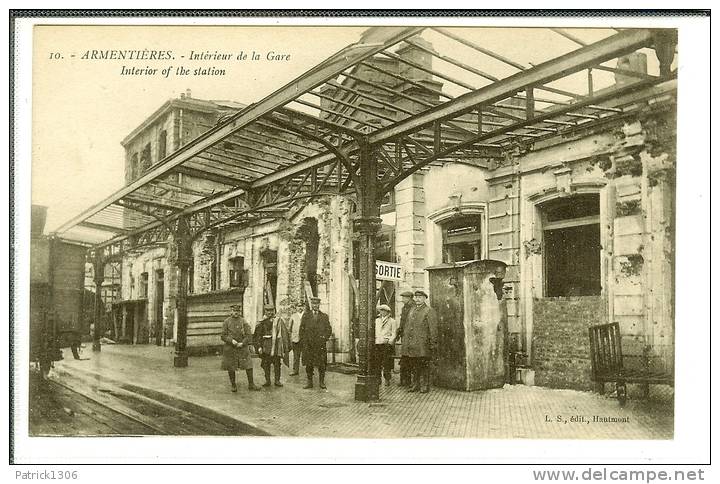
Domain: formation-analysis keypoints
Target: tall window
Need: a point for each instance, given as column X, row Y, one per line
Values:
column 270, row 284
column 236, row 271
column 162, row 145
column 191, row 278
column 462, row 238
column 144, row 285
column 571, row 246
column 146, row 158
column 213, row 275
column 134, row 168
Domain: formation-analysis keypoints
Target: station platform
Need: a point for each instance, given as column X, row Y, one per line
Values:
column 512, row 412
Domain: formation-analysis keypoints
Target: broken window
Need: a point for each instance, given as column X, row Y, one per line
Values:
column 462, row 238
column 571, row 246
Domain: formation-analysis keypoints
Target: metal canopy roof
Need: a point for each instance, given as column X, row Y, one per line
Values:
column 418, row 96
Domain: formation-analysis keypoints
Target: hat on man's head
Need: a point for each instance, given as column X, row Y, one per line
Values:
column 421, row 293
column 236, row 306
column 384, row 307
column 407, row 293
column 269, row 307
column 314, row 299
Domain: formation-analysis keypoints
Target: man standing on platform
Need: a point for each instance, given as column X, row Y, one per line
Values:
column 272, row 343
column 315, row 330
column 237, row 338
column 420, row 341
column 385, row 334
column 405, row 370
column 294, row 330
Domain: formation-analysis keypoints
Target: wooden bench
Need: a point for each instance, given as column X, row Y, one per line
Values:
column 607, row 362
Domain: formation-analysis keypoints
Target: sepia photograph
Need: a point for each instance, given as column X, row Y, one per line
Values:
column 412, row 229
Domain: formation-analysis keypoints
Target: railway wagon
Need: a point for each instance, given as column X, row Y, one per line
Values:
column 57, row 273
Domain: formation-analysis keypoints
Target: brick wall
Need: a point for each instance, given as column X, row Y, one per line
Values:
column 561, row 348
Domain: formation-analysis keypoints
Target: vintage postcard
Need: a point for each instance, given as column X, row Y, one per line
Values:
column 417, row 228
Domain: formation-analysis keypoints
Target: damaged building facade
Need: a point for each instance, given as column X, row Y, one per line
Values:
column 584, row 222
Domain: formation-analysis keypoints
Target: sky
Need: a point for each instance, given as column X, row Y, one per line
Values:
column 82, row 107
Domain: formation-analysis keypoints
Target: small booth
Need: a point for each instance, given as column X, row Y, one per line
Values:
column 472, row 324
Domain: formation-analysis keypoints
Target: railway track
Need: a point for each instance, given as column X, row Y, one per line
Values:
column 71, row 404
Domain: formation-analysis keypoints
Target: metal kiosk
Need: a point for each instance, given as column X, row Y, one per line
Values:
column 472, row 324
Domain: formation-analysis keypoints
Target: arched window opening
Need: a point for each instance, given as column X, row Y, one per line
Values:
column 462, row 238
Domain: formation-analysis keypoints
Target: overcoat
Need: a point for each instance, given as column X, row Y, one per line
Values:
column 403, row 317
column 236, row 358
column 263, row 338
column 419, row 335
column 314, row 333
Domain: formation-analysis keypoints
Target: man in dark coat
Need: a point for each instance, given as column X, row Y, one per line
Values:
column 315, row 330
column 272, row 344
column 420, row 341
column 237, row 338
column 405, row 370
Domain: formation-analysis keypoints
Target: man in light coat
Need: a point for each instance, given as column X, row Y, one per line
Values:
column 294, row 330
column 385, row 334
column 420, row 341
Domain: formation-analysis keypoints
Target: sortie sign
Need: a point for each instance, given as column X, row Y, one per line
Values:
column 387, row 271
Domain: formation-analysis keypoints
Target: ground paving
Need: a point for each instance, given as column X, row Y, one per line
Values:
column 513, row 412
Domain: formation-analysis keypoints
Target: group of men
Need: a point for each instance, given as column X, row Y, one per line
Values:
column 418, row 332
column 306, row 333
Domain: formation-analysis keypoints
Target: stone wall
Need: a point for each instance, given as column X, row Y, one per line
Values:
column 561, row 345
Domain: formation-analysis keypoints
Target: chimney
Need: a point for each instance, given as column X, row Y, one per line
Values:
column 418, row 56
column 188, row 93
column 635, row 62
column 182, row 95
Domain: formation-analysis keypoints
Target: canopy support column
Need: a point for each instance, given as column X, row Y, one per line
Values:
column 367, row 224
column 98, row 278
column 182, row 249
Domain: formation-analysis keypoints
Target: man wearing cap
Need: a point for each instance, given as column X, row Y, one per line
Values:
column 405, row 370
column 420, row 341
column 272, row 343
column 385, row 334
column 315, row 330
column 237, row 338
